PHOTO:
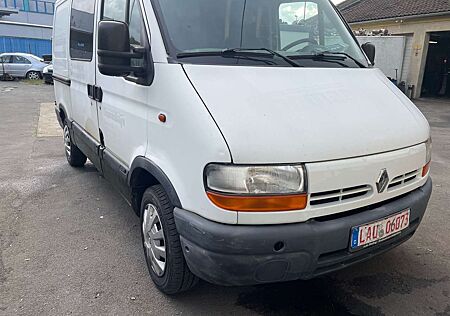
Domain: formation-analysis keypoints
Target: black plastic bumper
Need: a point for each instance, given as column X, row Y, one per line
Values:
column 48, row 77
column 246, row 255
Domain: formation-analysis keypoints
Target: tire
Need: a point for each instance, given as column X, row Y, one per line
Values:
column 74, row 156
column 33, row 75
column 158, row 232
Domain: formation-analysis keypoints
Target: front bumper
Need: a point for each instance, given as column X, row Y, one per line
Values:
column 246, row 255
column 48, row 77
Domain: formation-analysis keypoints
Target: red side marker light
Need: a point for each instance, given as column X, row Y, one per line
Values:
column 426, row 169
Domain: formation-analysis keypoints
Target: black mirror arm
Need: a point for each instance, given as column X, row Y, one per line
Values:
column 123, row 68
column 108, row 53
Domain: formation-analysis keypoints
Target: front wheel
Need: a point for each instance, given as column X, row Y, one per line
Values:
column 162, row 246
column 33, row 75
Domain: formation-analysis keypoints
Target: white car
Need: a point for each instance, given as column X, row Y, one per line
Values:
column 255, row 139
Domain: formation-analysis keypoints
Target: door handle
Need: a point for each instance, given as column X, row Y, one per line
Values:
column 90, row 91
column 95, row 93
column 98, row 94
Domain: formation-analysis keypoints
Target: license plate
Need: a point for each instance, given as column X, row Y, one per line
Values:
column 370, row 234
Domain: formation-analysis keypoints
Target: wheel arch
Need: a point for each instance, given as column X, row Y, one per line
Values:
column 33, row 70
column 145, row 173
column 61, row 113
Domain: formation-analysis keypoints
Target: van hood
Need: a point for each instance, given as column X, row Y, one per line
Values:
column 286, row 115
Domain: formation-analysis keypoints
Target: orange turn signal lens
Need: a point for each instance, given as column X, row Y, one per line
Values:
column 274, row 203
column 426, row 169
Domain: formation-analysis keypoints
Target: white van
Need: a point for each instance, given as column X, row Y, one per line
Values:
column 254, row 138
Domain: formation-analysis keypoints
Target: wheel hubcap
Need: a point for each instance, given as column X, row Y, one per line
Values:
column 154, row 242
column 33, row 76
column 67, row 140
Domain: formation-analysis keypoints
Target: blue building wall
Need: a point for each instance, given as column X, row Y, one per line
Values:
column 38, row 47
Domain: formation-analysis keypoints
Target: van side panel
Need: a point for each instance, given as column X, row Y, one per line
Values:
column 82, row 53
column 60, row 56
column 159, row 53
column 186, row 142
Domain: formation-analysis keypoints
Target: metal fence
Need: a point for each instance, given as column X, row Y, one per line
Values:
column 38, row 47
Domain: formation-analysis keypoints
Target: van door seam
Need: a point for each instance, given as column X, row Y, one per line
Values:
column 204, row 103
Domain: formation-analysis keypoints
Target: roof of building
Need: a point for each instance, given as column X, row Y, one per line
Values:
column 370, row 10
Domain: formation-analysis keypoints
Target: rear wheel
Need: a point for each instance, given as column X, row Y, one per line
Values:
column 33, row 75
column 74, row 156
column 162, row 246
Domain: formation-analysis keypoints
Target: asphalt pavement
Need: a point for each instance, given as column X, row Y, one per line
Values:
column 70, row 245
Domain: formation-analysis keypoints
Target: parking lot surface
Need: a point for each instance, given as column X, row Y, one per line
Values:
column 69, row 244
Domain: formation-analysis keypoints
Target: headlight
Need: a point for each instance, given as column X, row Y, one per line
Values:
column 429, row 145
column 426, row 168
column 255, row 180
column 256, row 188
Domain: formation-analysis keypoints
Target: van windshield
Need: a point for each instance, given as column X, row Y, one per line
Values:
column 258, row 32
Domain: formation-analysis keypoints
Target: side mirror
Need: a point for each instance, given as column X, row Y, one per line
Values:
column 369, row 49
column 114, row 50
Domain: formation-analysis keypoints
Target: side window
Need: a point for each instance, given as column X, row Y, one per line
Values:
column 20, row 60
column 5, row 59
column 136, row 24
column 137, row 32
column 82, row 29
column 117, row 10
column 299, row 23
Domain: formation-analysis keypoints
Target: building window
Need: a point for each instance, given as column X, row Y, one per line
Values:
column 37, row 6
column 17, row 4
column 82, row 29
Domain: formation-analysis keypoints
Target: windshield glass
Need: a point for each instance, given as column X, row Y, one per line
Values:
column 309, row 32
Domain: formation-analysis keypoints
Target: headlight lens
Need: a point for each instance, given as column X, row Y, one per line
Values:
column 426, row 168
column 256, row 180
column 429, row 145
column 257, row 188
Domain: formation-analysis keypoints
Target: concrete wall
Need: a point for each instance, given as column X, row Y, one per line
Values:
column 419, row 29
column 25, row 31
column 390, row 54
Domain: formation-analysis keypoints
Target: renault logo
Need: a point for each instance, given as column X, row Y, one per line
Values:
column 383, row 181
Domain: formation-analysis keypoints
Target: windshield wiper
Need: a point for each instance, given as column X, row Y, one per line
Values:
column 328, row 55
column 360, row 64
column 270, row 51
column 236, row 52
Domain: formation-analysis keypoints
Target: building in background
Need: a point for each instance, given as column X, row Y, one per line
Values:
column 26, row 26
column 425, row 29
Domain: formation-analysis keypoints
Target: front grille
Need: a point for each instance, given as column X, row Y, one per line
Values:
column 340, row 196
column 402, row 180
